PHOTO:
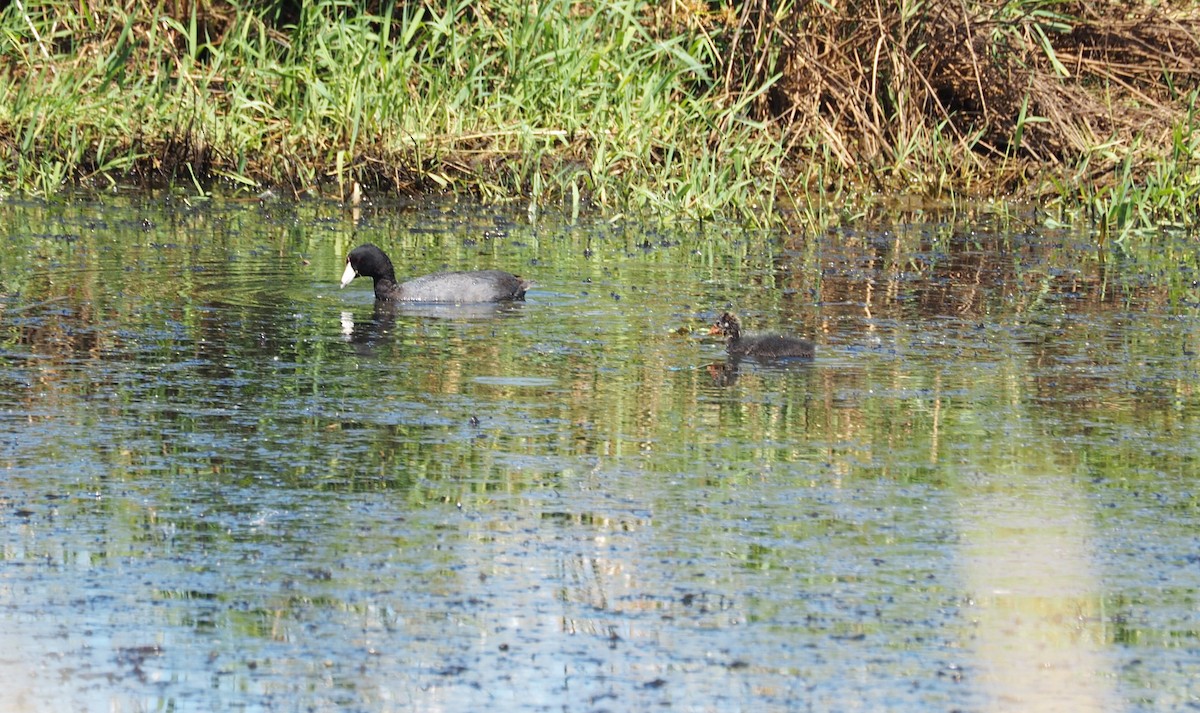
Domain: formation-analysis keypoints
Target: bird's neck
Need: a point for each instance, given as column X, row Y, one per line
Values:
column 384, row 287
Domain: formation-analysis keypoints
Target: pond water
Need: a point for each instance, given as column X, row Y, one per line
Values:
column 226, row 484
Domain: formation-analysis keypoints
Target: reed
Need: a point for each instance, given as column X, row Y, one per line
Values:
column 760, row 110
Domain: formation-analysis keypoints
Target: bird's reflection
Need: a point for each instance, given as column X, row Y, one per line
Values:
column 365, row 333
column 724, row 373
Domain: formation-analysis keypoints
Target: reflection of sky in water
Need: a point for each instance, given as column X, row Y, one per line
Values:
column 229, row 485
column 1038, row 619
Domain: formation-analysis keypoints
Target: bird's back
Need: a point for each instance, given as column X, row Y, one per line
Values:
column 464, row 287
column 772, row 346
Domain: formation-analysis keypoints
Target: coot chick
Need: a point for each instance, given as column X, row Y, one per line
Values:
column 453, row 287
column 767, row 346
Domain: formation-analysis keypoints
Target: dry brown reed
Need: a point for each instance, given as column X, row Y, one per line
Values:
column 1010, row 84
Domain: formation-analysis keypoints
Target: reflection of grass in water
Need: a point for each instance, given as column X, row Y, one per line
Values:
column 619, row 377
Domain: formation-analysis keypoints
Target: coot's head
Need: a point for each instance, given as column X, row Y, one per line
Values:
column 728, row 325
column 367, row 260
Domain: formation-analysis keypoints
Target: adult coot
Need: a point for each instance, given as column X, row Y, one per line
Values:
column 767, row 346
column 454, row 287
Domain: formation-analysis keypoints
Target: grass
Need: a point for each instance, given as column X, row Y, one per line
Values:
column 764, row 111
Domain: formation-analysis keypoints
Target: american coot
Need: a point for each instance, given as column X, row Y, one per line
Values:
column 769, row 346
column 448, row 287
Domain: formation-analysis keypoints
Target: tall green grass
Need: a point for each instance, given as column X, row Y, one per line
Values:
column 1165, row 194
column 625, row 105
column 1143, row 192
column 548, row 103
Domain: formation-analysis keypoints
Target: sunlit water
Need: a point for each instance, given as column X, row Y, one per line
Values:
column 225, row 484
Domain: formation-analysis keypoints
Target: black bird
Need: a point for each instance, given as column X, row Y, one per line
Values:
column 448, row 287
column 766, row 346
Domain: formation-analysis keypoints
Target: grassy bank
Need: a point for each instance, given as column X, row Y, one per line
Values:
column 681, row 108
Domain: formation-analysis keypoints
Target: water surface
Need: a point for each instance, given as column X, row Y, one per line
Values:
column 228, row 485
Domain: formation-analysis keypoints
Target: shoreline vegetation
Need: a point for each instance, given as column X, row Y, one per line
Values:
column 1086, row 110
